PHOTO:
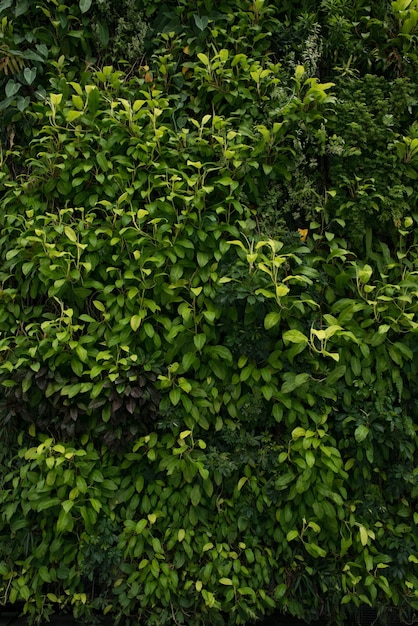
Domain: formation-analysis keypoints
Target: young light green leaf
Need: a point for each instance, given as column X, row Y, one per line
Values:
column 272, row 319
column 295, row 336
column 202, row 57
column 291, row 535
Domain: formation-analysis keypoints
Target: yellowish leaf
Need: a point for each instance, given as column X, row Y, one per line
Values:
column 303, row 233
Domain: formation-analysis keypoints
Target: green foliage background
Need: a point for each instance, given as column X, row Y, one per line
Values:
column 206, row 413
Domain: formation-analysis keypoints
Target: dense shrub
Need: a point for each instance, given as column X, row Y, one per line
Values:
column 37, row 42
column 208, row 317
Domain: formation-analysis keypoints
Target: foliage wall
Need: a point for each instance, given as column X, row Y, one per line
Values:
column 208, row 318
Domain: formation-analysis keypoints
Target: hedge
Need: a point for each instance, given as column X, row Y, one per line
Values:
column 208, row 318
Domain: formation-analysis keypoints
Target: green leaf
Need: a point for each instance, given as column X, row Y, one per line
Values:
column 93, row 99
column 272, row 319
column 210, row 316
column 241, row 482
column 280, row 591
column 139, row 484
column 67, row 505
column 8, row 383
column 364, row 537
column 73, row 115
column 223, row 55
column 21, row 6
column 403, row 349
column 365, row 274
column 314, row 550
column 188, row 360
column 85, row 5
column 81, row 484
column 81, row 352
column 175, row 395
column 219, row 352
column 135, row 322
column 361, row 433
column 246, row 591
column 199, row 340
column 103, row 33
column 65, row 522
column 195, row 495
column 294, row 381
column 52, row 597
column 78, row 102
column 295, row 336
column 268, row 391
column 284, row 480
column 202, row 258
column 291, row 535
column 102, row 161
column 26, row 383
column 22, row 103
column 55, row 99
column 299, row 72
column 184, row 385
column 298, row 432
column 140, row 526
column 99, row 305
column 233, row 184
column 336, row 374
column 29, row 74
column 96, row 504
column 76, row 366
column 282, row 290
column 11, row 88
column 42, row 505
column 202, row 57
column 201, row 22
column 44, row 574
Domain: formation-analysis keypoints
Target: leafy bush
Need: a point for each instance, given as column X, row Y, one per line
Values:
column 32, row 43
column 118, row 243
column 118, row 32
column 373, row 180
column 36, row 43
column 169, row 525
column 208, row 323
